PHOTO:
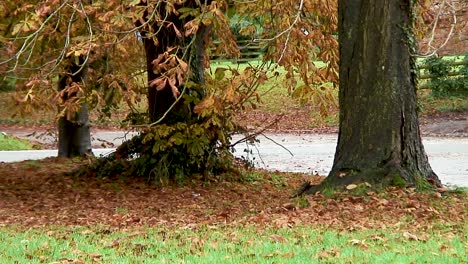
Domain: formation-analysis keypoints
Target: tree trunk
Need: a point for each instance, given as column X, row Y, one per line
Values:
column 74, row 135
column 379, row 140
column 161, row 100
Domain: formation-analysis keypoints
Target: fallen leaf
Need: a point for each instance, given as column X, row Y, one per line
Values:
column 278, row 238
column 288, row 254
column 442, row 189
column 114, row 243
column 322, row 254
column 351, row 187
column 410, row 236
column 360, row 243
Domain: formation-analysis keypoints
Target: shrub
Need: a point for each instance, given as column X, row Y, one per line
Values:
column 441, row 83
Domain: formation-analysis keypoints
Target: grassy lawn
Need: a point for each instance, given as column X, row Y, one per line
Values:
column 230, row 244
column 12, row 143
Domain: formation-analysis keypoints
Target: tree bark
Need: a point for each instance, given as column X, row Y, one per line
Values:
column 166, row 37
column 74, row 135
column 379, row 139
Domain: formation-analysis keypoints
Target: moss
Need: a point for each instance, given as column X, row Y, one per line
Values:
column 301, row 201
column 328, row 190
column 398, row 181
column 360, row 190
column 422, row 185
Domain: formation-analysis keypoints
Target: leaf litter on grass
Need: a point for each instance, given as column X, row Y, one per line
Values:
column 45, row 195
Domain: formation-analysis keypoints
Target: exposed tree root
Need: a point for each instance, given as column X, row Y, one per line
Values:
column 375, row 179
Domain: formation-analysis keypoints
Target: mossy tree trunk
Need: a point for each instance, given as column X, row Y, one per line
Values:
column 379, row 139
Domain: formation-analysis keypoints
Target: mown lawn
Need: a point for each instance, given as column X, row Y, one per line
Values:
column 12, row 143
column 230, row 244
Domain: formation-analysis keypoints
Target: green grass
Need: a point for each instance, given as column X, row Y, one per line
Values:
column 11, row 143
column 300, row 244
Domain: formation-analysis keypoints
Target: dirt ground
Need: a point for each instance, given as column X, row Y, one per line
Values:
column 449, row 124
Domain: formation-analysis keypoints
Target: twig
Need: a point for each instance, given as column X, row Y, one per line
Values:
column 286, row 31
column 255, row 134
column 430, row 53
column 272, row 140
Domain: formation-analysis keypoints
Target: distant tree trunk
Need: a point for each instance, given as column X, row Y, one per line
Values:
column 379, row 138
column 74, row 135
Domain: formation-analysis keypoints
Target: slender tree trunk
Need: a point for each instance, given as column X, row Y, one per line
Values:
column 379, row 138
column 74, row 135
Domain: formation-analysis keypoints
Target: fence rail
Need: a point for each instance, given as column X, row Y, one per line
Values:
column 449, row 64
column 249, row 51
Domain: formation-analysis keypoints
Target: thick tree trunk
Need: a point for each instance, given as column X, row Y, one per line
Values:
column 165, row 38
column 159, row 101
column 74, row 135
column 379, row 138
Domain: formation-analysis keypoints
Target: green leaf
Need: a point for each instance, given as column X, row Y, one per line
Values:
column 220, row 73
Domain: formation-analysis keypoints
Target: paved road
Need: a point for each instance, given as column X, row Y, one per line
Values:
column 310, row 153
column 315, row 153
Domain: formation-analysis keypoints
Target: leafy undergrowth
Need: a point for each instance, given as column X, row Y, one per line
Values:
column 52, row 217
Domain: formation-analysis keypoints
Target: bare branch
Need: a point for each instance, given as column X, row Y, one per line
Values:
column 32, row 38
column 431, row 50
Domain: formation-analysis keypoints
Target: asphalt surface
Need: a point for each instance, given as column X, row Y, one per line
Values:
column 310, row 153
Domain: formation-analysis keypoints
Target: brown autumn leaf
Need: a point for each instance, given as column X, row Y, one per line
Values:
column 159, row 83
column 323, row 254
column 174, row 89
column 114, row 243
column 377, row 238
column 410, row 236
column 289, row 254
column 273, row 254
column 95, row 256
column 360, row 243
column 205, row 103
column 278, row 238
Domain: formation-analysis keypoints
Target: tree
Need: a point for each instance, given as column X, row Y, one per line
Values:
column 50, row 42
column 190, row 111
column 379, row 140
column 167, row 52
column 74, row 128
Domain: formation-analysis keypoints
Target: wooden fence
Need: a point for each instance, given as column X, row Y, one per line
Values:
column 250, row 51
column 451, row 64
